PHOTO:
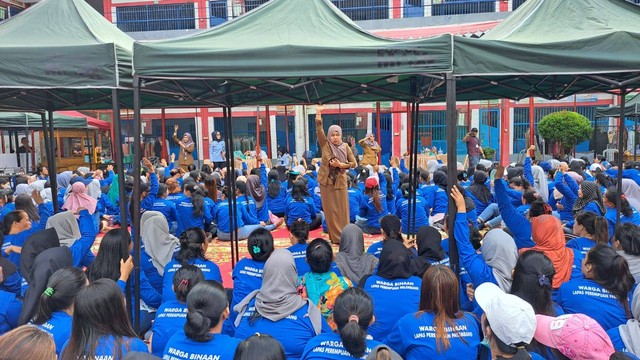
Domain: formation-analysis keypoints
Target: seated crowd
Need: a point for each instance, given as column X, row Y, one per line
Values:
column 546, row 269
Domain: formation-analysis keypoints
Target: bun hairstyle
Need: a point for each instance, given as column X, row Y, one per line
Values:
column 539, row 207
column 319, row 256
column 260, row 244
column 185, row 279
column 206, row 304
column 191, row 241
column 61, row 291
column 260, row 346
column 353, row 312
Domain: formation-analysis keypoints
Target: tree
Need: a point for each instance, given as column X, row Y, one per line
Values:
column 567, row 128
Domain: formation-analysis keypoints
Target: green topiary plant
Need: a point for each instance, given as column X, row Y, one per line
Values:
column 567, row 128
column 489, row 153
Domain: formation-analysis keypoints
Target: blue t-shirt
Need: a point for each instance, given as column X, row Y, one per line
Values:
column 330, row 347
column 582, row 244
column 247, row 277
column 150, row 271
column 414, row 337
column 59, row 327
column 305, row 210
column 616, row 339
column 170, row 319
column 392, row 299
column 376, row 248
column 299, row 252
column 167, row 208
column 587, row 297
column 220, row 347
column 421, row 214
column 210, row 270
column 10, row 307
column 105, row 348
column 293, row 332
column 186, row 217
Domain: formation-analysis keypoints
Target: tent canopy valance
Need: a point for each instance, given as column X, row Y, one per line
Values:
column 61, row 120
column 291, row 52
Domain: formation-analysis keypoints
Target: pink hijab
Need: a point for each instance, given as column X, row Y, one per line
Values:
column 339, row 151
column 79, row 199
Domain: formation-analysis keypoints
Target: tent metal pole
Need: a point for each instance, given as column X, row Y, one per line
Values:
column 47, row 146
column 135, row 199
column 117, row 151
column 413, row 203
column 257, row 130
column 16, row 138
column 532, row 119
column 53, row 168
column 228, row 144
column 621, row 123
column 412, row 181
column 635, row 133
column 234, row 233
column 268, row 129
column 163, row 120
column 595, row 138
column 378, row 130
column 452, row 169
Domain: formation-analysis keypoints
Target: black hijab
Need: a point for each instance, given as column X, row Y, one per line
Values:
column 478, row 189
column 440, row 179
column 35, row 244
column 515, row 172
column 395, row 261
column 45, row 264
column 429, row 249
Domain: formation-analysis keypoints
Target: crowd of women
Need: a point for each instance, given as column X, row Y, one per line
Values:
column 546, row 269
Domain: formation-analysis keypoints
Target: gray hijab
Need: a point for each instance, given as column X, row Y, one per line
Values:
column 159, row 244
column 630, row 332
column 278, row 297
column 501, row 254
column 66, row 226
column 353, row 262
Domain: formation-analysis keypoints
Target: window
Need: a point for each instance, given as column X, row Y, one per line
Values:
column 217, row 12
column 156, row 17
column 458, row 7
column 517, row 3
column 364, row 9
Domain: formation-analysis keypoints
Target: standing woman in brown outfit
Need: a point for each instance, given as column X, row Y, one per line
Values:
column 370, row 149
column 332, row 177
column 186, row 148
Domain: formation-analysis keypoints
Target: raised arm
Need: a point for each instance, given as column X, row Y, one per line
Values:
column 322, row 138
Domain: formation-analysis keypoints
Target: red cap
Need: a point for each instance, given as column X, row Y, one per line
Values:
column 371, row 182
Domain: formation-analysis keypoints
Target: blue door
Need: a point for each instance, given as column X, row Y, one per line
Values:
column 385, row 136
column 285, row 132
column 489, row 131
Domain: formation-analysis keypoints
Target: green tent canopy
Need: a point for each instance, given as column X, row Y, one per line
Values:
column 62, row 54
column 291, row 51
column 552, row 49
column 631, row 108
column 22, row 120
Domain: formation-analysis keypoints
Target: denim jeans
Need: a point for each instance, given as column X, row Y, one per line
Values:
column 243, row 232
column 491, row 215
column 473, row 161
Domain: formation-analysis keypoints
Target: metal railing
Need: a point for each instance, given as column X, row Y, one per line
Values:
column 159, row 17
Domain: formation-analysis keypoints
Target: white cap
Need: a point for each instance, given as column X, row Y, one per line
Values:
column 299, row 169
column 511, row 318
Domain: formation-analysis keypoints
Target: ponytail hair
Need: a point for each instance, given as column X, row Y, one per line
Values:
column 530, row 196
column 353, row 312
column 197, row 198
column 185, row 279
column 625, row 208
column 206, row 304
column 595, row 225
column 611, row 271
column 191, row 241
column 374, row 192
column 628, row 234
column 533, row 281
column 274, row 186
column 61, row 291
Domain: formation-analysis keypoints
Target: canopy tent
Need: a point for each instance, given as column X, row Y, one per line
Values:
column 291, row 52
column 631, row 109
column 551, row 49
column 61, row 120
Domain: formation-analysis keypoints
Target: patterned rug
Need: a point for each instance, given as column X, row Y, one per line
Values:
column 220, row 251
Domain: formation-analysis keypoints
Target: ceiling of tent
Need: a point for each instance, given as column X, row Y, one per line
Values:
column 291, row 51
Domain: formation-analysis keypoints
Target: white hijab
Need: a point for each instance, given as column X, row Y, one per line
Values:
column 540, row 182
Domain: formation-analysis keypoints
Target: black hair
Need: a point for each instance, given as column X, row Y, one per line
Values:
column 98, row 311
column 206, row 304
column 520, row 182
column 197, row 197
column 351, row 304
column 162, row 189
column 260, row 346
column 206, row 168
column 185, row 279
column 191, row 241
column 24, row 202
column 603, row 179
column 530, row 196
column 406, row 189
column 299, row 191
column 611, row 271
column 241, row 187
column 292, row 178
column 319, row 256
column 612, row 195
column 191, row 167
column 12, row 217
column 260, row 244
column 628, row 234
column 65, row 285
column 595, row 225
column 300, row 229
column 39, row 169
column 517, row 353
column 363, row 174
column 113, row 248
column 475, row 237
column 533, row 281
column 538, row 208
column 390, row 189
column 424, row 176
